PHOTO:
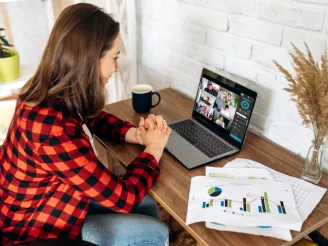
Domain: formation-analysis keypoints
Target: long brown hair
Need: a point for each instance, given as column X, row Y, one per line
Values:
column 69, row 68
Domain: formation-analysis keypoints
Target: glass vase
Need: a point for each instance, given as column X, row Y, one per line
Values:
column 312, row 169
column 325, row 155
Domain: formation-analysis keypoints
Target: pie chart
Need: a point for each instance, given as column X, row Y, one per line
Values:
column 214, row 191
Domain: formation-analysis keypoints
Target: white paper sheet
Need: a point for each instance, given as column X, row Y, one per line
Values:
column 306, row 195
column 242, row 202
column 276, row 232
column 244, row 173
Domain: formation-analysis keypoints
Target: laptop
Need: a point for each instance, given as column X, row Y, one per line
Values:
column 219, row 121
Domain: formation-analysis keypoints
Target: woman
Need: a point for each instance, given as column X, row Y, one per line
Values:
column 50, row 177
column 228, row 98
column 225, row 111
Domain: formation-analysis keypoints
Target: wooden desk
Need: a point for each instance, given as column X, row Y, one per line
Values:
column 172, row 190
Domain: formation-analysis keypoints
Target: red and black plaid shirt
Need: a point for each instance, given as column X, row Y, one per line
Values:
column 49, row 173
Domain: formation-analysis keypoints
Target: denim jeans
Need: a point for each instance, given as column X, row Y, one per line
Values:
column 142, row 226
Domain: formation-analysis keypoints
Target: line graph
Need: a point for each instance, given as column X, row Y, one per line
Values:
column 259, row 204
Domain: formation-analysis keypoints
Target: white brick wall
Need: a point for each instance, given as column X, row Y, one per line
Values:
column 244, row 7
column 255, row 29
column 323, row 2
column 291, row 16
column 229, row 44
column 196, row 2
column 177, row 38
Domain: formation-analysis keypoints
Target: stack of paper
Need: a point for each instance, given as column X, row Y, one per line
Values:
column 248, row 197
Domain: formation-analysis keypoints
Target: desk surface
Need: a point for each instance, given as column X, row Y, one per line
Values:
column 172, row 190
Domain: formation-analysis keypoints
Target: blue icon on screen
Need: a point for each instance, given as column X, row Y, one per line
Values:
column 235, row 137
column 244, row 104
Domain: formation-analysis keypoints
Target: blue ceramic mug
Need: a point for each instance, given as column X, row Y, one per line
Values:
column 142, row 98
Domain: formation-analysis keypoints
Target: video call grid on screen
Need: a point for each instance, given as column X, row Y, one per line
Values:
column 216, row 103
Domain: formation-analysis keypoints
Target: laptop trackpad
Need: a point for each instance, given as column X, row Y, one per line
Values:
column 184, row 151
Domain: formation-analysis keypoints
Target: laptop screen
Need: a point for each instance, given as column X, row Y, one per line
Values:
column 226, row 105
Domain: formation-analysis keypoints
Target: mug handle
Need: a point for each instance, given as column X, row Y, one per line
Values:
column 159, row 98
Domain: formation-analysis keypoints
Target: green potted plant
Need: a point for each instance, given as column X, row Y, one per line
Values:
column 9, row 60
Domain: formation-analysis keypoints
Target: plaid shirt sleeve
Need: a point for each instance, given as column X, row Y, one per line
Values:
column 108, row 125
column 70, row 157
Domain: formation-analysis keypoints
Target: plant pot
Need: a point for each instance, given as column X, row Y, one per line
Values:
column 9, row 67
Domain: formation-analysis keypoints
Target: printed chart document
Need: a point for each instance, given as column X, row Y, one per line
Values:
column 306, row 195
column 269, row 231
column 242, row 202
column 244, row 173
column 250, row 173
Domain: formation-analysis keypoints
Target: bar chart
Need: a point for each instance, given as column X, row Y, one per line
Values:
column 260, row 204
column 241, row 202
column 207, row 204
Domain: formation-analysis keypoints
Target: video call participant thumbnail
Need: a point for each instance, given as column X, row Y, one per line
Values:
column 210, row 89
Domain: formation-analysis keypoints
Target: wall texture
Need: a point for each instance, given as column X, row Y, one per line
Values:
column 177, row 38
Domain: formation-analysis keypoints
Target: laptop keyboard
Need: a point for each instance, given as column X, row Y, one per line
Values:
column 200, row 138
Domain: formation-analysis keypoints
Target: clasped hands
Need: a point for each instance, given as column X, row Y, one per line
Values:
column 154, row 129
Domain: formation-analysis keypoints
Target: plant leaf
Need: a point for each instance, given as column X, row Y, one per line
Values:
column 311, row 60
column 4, row 40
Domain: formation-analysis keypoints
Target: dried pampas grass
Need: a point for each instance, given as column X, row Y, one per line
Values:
column 309, row 90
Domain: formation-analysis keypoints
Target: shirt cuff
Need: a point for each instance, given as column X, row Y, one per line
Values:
column 124, row 129
column 150, row 157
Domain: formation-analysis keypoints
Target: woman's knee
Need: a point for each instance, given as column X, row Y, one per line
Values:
column 124, row 229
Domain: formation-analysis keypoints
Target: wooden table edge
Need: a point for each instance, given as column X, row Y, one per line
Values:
column 306, row 232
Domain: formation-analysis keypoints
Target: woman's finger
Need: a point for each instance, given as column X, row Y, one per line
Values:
column 168, row 130
column 159, row 121
column 146, row 124
column 139, row 136
column 164, row 126
column 164, row 123
column 142, row 122
column 152, row 116
column 150, row 124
